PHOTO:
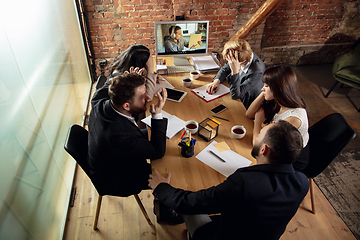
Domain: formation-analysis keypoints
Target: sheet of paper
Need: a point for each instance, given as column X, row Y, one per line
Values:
column 175, row 124
column 201, row 92
column 233, row 160
column 162, row 83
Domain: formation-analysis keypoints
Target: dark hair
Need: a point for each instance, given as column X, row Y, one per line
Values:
column 122, row 88
column 285, row 142
column 176, row 28
column 282, row 82
column 135, row 56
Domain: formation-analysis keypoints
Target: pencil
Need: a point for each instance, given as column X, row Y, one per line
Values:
column 216, row 156
column 221, row 118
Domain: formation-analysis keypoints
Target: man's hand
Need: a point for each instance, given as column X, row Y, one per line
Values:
column 194, row 46
column 135, row 70
column 155, row 179
column 213, row 87
column 156, row 109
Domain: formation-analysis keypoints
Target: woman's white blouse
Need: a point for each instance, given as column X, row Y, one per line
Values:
column 301, row 114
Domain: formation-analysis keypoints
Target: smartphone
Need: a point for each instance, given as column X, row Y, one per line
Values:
column 218, row 109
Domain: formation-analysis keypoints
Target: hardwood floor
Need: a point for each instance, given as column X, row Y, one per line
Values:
column 121, row 218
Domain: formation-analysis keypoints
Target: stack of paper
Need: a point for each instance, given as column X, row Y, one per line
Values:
column 175, row 124
column 233, row 160
column 201, row 92
column 205, row 64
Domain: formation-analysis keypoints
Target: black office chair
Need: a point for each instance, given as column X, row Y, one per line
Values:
column 327, row 138
column 76, row 144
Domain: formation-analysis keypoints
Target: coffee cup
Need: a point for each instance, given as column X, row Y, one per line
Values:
column 194, row 74
column 238, row 131
column 192, row 126
column 187, row 81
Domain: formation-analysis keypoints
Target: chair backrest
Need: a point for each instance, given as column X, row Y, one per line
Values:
column 100, row 82
column 327, row 138
column 76, row 144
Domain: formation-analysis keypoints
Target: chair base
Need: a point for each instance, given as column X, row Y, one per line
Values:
column 98, row 206
column 312, row 198
column 332, row 88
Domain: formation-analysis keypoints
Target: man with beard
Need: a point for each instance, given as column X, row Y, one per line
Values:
column 255, row 202
column 118, row 149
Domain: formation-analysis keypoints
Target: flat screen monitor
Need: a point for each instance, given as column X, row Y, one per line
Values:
column 179, row 39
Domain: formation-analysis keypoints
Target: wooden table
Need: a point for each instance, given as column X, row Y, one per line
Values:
column 191, row 173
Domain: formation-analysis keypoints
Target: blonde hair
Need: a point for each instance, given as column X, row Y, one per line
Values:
column 242, row 46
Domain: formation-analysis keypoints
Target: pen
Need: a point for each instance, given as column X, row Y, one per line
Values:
column 216, row 156
column 221, row 118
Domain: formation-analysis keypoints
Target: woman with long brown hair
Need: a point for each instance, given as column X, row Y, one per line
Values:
column 136, row 58
column 280, row 100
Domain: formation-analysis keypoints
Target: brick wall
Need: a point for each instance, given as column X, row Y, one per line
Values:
column 298, row 32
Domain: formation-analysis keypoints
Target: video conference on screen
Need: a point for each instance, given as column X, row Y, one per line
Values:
column 192, row 33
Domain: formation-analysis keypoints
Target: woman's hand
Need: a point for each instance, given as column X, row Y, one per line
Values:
column 136, row 70
column 260, row 117
column 213, row 87
column 234, row 63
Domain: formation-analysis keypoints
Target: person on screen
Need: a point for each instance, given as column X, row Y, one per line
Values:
column 176, row 43
column 118, row 149
column 255, row 202
column 243, row 71
column 136, row 56
column 280, row 100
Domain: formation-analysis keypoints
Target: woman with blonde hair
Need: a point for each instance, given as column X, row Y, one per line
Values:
column 280, row 100
column 243, row 71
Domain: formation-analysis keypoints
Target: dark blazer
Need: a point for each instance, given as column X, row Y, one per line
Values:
column 255, row 202
column 245, row 87
column 118, row 149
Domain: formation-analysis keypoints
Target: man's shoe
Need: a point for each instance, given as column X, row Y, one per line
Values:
column 164, row 214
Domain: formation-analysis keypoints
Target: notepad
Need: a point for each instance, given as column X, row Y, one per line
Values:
column 233, row 160
column 174, row 126
column 201, row 92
